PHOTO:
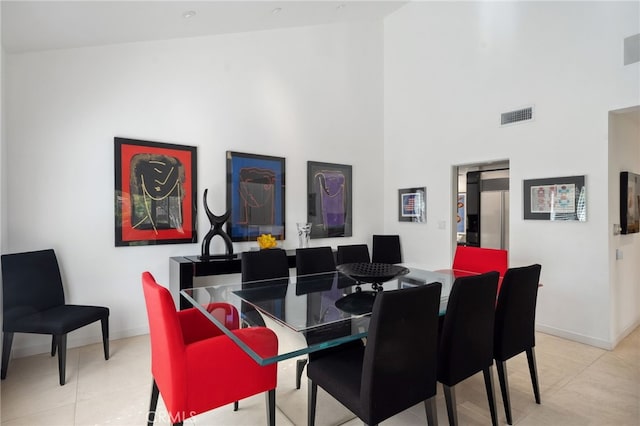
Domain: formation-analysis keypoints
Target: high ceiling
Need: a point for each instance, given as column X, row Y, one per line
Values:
column 43, row 25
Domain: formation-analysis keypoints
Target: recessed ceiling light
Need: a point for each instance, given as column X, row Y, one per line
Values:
column 189, row 14
column 276, row 10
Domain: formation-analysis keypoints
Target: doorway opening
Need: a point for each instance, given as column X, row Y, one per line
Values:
column 482, row 204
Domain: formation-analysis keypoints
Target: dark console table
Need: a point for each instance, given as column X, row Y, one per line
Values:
column 182, row 269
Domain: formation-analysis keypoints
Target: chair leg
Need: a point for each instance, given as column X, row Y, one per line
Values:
column 504, row 389
column 312, row 394
column 491, row 396
column 299, row 369
column 431, row 410
column 155, row 392
column 236, row 405
column 271, row 407
column 450, row 399
column 7, row 340
column 53, row 345
column 105, row 336
column 61, row 344
column 533, row 370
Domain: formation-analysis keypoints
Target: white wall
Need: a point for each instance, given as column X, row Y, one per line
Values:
column 3, row 169
column 624, row 155
column 450, row 69
column 310, row 93
column 3, row 204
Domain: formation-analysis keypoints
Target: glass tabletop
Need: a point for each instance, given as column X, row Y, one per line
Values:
column 308, row 312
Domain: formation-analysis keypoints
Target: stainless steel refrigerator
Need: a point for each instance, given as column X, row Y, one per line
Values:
column 488, row 209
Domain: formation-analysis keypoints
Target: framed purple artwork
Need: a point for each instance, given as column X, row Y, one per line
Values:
column 329, row 199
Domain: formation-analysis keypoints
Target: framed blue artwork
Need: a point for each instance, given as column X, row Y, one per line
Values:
column 255, row 196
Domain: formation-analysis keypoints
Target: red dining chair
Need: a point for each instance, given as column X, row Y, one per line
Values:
column 479, row 260
column 197, row 368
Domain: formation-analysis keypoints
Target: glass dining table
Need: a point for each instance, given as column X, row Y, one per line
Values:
column 308, row 312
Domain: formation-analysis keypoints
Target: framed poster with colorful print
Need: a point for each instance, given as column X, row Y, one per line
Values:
column 557, row 199
column 155, row 193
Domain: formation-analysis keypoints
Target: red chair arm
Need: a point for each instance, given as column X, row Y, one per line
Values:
column 220, row 372
column 195, row 326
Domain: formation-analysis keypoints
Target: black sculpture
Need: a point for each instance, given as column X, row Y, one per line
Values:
column 216, row 229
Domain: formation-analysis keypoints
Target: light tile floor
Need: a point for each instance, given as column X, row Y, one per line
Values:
column 580, row 385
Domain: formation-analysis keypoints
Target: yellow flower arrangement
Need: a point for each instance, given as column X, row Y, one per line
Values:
column 266, row 241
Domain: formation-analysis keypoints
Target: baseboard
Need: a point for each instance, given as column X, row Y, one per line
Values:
column 627, row 331
column 587, row 340
column 73, row 342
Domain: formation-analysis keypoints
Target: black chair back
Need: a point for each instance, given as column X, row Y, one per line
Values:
column 270, row 268
column 399, row 366
column 466, row 342
column 31, row 282
column 264, row 265
column 386, row 249
column 314, row 260
column 353, row 253
column 516, row 312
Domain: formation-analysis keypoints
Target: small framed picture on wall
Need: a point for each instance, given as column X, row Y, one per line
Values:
column 412, row 205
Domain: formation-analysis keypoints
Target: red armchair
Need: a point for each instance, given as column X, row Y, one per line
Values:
column 195, row 367
column 480, row 260
column 477, row 260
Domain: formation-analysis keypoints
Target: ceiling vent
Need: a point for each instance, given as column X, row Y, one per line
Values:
column 517, row 116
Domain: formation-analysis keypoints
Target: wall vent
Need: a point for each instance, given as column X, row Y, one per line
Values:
column 517, row 116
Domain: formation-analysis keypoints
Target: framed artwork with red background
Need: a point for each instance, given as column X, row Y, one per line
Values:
column 155, row 193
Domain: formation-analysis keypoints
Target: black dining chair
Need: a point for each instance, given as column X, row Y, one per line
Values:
column 34, row 302
column 312, row 260
column 268, row 270
column 260, row 269
column 386, row 249
column 515, row 326
column 397, row 367
column 352, row 253
column 466, row 340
